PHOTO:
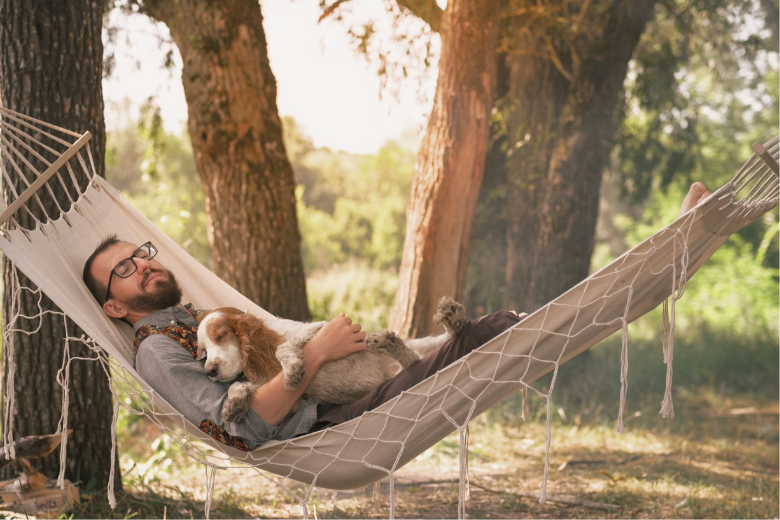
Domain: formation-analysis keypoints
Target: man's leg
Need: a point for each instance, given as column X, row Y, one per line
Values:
column 475, row 334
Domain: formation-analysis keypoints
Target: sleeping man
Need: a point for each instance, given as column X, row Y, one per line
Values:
column 131, row 285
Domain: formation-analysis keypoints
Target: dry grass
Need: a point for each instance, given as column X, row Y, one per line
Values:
column 703, row 464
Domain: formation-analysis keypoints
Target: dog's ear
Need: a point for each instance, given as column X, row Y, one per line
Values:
column 199, row 352
column 202, row 315
column 258, row 347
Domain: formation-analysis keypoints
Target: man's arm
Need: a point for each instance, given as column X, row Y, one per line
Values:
column 335, row 340
column 176, row 377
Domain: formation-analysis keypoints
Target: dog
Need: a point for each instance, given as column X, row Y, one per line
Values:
column 237, row 342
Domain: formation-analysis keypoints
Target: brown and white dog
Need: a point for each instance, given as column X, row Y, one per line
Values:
column 237, row 342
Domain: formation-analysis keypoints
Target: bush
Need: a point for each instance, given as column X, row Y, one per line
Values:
column 362, row 292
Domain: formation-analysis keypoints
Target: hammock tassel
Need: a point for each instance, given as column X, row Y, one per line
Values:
column 547, row 439
column 667, row 406
column 392, row 496
column 111, row 495
column 10, row 369
column 464, row 493
column 623, row 379
column 8, row 398
column 304, row 501
column 63, row 378
column 526, row 412
column 211, row 477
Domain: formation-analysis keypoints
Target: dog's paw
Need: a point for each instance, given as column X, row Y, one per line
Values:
column 236, row 404
column 293, row 374
column 394, row 345
column 451, row 315
column 385, row 339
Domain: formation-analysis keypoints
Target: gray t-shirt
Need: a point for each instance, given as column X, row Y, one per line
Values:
column 181, row 380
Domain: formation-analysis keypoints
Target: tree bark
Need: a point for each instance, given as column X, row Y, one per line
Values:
column 537, row 92
column 552, row 225
column 51, row 69
column 772, row 13
column 236, row 136
column 449, row 167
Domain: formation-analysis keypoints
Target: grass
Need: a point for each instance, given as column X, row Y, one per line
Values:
column 704, row 463
column 717, row 459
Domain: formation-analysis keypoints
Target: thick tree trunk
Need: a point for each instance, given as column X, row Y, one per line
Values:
column 449, row 167
column 552, row 227
column 51, row 69
column 237, row 139
column 538, row 93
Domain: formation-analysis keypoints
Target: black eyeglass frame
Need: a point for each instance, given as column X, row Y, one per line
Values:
column 148, row 247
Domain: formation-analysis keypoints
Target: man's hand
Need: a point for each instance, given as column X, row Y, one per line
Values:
column 335, row 340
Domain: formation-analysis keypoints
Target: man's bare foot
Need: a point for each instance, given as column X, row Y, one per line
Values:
column 697, row 193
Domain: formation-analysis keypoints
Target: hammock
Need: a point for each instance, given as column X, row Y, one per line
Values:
column 381, row 441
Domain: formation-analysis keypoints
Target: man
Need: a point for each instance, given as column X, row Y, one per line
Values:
column 132, row 285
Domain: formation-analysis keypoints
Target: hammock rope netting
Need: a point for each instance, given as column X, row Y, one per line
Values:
column 51, row 250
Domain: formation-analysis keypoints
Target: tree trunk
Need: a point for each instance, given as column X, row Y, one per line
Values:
column 552, row 228
column 51, row 69
column 449, row 167
column 772, row 13
column 538, row 92
column 236, row 135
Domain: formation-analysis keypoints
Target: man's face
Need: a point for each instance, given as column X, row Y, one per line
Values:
column 149, row 289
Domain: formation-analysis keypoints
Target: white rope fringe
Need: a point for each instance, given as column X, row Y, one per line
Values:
column 678, row 289
column 526, row 414
column 547, row 440
column 623, row 379
column 9, row 352
column 667, row 406
column 63, row 379
column 111, row 495
column 392, row 496
column 463, row 481
column 211, row 477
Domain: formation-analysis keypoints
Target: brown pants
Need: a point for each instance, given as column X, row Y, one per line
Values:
column 475, row 334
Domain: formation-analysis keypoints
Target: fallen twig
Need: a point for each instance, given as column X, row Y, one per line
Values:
column 551, row 498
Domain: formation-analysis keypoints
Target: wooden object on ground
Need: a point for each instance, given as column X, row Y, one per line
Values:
column 32, row 447
column 32, row 493
column 20, row 495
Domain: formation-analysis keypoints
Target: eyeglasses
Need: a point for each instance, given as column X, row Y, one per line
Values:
column 127, row 266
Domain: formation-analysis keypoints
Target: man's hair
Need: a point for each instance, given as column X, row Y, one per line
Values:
column 97, row 288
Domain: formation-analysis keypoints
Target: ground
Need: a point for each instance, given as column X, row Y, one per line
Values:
column 717, row 459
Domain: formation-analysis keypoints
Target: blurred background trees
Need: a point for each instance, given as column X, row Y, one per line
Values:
column 236, row 135
column 701, row 84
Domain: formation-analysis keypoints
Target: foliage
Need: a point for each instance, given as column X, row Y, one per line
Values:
column 350, row 207
column 362, row 292
column 401, row 48
column 156, row 172
column 700, row 64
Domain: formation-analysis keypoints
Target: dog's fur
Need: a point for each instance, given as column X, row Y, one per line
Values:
column 236, row 342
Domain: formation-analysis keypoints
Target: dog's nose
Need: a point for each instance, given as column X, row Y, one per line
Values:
column 212, row 372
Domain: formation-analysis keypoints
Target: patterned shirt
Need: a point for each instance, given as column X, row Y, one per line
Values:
column 182, row 381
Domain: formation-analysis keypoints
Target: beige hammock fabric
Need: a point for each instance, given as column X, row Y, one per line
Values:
column 371, row 447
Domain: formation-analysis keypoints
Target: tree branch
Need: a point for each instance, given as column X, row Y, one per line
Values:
column 328, row 10
column 427, row 10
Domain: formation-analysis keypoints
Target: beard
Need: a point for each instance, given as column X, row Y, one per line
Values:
column 163, row 294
